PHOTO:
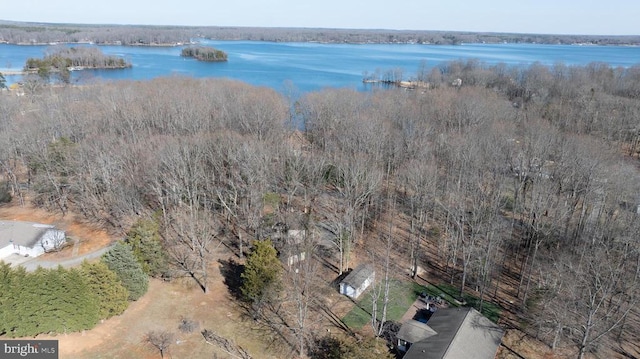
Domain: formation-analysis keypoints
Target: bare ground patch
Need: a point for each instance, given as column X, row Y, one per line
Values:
column 162, row 309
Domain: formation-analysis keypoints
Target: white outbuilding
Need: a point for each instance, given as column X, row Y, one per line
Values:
column 357, row 281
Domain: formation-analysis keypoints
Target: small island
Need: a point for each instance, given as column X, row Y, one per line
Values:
column 204, row 53
column 61, row 60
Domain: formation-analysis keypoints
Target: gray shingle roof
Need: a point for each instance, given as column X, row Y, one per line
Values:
column 462, row 333
column 358, row 276
column 25, row 234
column 414, row 331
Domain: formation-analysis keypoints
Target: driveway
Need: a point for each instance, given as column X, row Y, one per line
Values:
column 31, row 264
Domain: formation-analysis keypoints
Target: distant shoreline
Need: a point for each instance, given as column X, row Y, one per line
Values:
column 73, row 68
column 29, row 33
column 90, row 43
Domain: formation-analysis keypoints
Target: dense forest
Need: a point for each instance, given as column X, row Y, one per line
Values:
column 517, row 184
column 45, row 33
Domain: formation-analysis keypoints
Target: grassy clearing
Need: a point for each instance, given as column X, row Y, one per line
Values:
column 403, row 294
column 489, row 309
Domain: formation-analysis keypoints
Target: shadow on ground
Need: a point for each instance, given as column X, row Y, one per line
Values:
column 231, row 272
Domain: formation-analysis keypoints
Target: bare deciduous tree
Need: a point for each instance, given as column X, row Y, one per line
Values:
column 160, row 340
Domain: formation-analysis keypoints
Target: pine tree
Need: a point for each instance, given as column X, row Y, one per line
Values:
column 29, row 303
column 75, row 306
column 9, row 290
column 145, row 241
column 112, row 295
column 261, row 276
column 121, row 261
column 53, row 301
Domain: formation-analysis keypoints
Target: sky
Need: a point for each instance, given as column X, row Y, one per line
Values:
column 585, row 17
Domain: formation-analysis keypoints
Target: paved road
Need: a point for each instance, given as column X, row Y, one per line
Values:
column 33, row 263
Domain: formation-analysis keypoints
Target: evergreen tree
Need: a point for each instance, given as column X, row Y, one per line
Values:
column 121, row 261
column 53, row 301
column 27, row 302
column 3, row 81
column 145, row 241
column 261, row 276
column 9, row 290
column 75, row 306
column 112, row 295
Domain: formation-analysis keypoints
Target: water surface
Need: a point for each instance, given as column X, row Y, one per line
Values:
column 313, row 66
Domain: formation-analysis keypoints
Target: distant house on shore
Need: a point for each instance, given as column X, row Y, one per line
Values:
column 450, row 333
column 29, row 239
column 357, row 281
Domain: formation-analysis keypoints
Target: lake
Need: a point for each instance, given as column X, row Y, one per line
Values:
column 313, row 66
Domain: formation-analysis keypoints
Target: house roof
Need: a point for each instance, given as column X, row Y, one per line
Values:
column 358, row 276
column 25, row 234
column 461, row 333
column 414, row 331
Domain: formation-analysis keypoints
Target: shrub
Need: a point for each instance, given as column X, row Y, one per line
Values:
column 188, row 325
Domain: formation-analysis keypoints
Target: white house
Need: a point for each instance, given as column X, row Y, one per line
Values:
column 28, row 239
column 357, row 281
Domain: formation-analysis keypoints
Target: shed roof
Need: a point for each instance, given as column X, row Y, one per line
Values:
column 25, row 234
column 462, row 333
column 359, row 275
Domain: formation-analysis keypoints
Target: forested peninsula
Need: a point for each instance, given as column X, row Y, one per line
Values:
column 137, row 35
column 60, row 60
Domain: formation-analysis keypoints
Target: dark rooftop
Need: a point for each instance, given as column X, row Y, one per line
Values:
column 462, row 333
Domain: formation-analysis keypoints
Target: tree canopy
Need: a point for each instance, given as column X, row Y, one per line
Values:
column 121, row 260
column 144, row 239
column 204, row 53
column 46, row 301
column 112, row 295
column 261, row 276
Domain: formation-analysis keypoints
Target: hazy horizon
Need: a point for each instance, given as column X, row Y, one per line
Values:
column 590, row 17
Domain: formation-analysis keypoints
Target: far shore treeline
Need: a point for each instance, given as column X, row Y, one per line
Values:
column 138, row 35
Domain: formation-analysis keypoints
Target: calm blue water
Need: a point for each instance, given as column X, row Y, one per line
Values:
column 312, row 66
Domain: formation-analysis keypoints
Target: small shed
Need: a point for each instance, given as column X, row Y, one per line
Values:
column 357, row 281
